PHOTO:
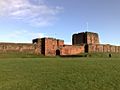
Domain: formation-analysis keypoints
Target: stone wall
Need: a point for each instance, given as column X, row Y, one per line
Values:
column 17, row 47
column 37, row 45
column 47, row 46
column 91, row 38
column 82, row 42
column 78, row 38
column 72, row 50
column 51, row 45
column 103, row 48
column 85, row 38
column 117, row 49
column 60, row 43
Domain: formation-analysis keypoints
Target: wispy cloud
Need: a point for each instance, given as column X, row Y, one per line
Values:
column 38, row 13
column 24, row 33
column 21, row 36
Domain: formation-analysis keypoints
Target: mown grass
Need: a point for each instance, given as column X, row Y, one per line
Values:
column 104, row 55
column 59, row 74
column 19, row 55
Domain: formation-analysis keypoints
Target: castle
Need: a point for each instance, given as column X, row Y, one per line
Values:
column 84, row 42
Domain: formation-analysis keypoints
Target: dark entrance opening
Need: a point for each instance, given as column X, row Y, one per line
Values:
column 57, row 52
column 86, row 48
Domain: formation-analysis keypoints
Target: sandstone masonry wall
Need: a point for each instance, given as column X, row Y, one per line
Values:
column 103, row 48
column 37, row 45
column 92, row 38
column 72, row 50
column 16, row 47
column 47, row 46
column 78, row 38
column 60, row 43
column 82, row 42
column 85, row 38
column 51, row 45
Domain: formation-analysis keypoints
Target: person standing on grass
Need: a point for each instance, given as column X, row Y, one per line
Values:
column 110, row 55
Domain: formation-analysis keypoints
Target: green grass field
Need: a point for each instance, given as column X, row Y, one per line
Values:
column 60, row 74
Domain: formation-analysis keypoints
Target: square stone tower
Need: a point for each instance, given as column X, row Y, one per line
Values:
column 48, row 46
column 85, row 38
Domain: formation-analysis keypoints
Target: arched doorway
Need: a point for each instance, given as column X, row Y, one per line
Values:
column 57, row 52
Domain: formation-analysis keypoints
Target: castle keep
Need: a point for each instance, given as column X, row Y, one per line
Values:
column 84, row 42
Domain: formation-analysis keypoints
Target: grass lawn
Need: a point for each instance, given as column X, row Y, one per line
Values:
column 60, row 74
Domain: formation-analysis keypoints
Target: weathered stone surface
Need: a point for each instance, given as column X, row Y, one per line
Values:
column 116, row 49
column 18, row 47
column 50, row 46
column 85, row 38
column 103, row 48
column 72, row 50
column 99, row 48
column 37, row 46
column 92, row 38
column 78, row 38
column 82, row 42
column 60, row 43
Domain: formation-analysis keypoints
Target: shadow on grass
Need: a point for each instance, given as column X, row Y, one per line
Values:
column 82, row 55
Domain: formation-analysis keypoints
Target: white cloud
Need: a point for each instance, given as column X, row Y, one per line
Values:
column 21, row 36
column 20, row 33
column 35, row 14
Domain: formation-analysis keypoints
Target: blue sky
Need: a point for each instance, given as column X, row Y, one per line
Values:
column 24, row 20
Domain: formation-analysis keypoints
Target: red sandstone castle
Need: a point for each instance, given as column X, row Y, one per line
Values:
column 84, row 42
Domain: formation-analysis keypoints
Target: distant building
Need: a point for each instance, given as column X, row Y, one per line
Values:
column 84, row 42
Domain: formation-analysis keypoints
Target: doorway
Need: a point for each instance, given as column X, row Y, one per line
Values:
column 86, row 48
column 57, row 52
